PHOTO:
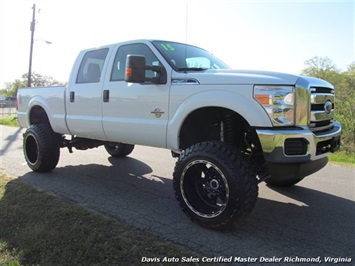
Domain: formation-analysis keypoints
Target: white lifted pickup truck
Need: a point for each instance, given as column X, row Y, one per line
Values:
column 230, row 129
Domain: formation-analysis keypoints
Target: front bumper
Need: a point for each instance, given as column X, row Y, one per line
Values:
column 298, row 145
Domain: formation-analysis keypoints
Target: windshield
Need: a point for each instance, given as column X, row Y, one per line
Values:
column 183, row 57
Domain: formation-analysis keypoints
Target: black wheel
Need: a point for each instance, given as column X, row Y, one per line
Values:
column 119, row 149
column 214, row 185
column 41, row 148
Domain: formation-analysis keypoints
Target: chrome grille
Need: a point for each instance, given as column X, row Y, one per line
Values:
column 322, row 108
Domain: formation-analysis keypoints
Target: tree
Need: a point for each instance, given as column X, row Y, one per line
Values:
column 350, row 77
column 345, row 104
column 12, row 87
column 323, row 68
column 37, row 81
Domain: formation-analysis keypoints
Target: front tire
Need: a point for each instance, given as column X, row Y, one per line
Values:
column 41, row 148
column 214, row 185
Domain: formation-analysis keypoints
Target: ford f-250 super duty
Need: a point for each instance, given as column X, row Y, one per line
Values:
column 230, row 129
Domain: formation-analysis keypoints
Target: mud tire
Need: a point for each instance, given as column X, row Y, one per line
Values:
column 41, row 148
column 214, row 185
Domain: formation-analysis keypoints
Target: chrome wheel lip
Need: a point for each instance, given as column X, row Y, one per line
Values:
column 223, row 178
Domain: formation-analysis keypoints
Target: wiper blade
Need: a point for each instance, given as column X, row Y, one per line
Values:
column 192, row 69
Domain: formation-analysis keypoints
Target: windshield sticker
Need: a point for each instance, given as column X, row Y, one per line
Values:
column 168, row 47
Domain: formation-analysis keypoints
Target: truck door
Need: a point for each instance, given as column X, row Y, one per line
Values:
column 83, row 99
column 132, row 112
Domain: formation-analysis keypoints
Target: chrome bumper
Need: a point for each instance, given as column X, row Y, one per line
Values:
column 298, row 145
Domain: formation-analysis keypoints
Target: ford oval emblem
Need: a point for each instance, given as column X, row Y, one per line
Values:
column 328, row 107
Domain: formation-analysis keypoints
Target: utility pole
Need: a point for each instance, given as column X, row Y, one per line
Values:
column 32, row 29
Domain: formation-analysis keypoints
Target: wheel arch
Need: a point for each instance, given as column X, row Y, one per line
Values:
column 38, row 115
column 206, row 124
column 190, row 118
column 42, row 111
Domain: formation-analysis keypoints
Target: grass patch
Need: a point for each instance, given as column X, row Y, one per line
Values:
column 9, row 121
column 8, row 258
column 37, row 228
column 343, row 157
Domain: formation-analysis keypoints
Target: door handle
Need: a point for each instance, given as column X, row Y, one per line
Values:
column 106, row 96
column 72, row 96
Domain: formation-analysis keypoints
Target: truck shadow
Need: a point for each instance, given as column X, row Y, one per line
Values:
column 306, row 222
column 9, row 141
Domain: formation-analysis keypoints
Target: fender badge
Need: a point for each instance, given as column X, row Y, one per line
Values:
column 157, row 112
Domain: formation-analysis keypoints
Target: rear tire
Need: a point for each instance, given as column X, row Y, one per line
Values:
column 214, row 185
column 116, row 149
column 41, row 147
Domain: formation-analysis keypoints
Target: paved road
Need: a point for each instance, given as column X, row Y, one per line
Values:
column 314, row 218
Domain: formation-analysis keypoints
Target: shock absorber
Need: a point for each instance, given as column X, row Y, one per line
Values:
column 229, row 129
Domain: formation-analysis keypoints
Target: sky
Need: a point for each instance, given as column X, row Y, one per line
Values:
column 263, row 35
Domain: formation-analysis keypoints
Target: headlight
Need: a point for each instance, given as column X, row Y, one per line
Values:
column 278, row 101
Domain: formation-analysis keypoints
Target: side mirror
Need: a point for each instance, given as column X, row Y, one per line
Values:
column 136, row 69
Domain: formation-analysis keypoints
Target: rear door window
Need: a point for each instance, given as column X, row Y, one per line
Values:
column 91, row 67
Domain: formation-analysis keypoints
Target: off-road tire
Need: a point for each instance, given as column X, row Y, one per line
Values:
column 119, row 149
column 41, row 147
column 214, row 185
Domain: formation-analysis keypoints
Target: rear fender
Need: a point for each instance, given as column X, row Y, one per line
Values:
column 55, row 113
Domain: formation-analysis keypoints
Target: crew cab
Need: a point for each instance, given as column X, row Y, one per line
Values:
column 230, row 129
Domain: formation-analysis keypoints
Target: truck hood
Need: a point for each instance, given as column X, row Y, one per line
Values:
column 229, row 76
